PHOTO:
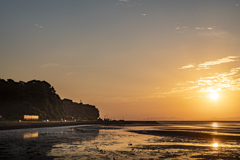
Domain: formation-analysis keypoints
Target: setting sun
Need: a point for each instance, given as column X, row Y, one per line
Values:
column 214, row 95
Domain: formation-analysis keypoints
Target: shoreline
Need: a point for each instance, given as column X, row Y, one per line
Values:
column 36, row 124
column 10, row 125
column 22, row 125
column 187, row 134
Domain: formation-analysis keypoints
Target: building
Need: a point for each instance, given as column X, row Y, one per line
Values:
column 30, row 117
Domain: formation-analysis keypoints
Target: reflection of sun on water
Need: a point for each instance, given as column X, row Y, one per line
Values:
column 215, row 144
column 214, row 124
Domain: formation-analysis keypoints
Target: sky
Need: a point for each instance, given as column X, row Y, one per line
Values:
column 132, row 59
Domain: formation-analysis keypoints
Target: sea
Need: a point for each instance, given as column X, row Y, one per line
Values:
column 164, row 140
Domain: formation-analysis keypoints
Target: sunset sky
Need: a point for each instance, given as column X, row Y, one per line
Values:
column 132, row 59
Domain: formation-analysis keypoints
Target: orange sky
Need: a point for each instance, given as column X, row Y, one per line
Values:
column 131, row 59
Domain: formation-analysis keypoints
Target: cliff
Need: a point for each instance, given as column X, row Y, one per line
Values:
column 38, row 98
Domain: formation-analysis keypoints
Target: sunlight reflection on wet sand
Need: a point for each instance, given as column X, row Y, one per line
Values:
column 116, row 142
column 30, row 135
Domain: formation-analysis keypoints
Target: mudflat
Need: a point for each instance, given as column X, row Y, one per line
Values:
column 8, row 125
column 35, row 124
column 123, row 141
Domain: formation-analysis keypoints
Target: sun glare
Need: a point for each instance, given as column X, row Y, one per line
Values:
column 214, row 95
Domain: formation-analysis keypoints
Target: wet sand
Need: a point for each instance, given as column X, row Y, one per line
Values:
column 25, row 125
column 117, row 141
column 37, row 124
column 188, row 134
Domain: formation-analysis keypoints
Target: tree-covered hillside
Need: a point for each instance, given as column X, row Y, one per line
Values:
column 80, row 111
column 33, row 98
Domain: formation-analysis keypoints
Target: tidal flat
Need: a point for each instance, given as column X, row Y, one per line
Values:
column 165, row 140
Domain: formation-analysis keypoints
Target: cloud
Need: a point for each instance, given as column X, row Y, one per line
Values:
column 210, row 28
column 181, row 27
column 187, row 66
column 50, row 65
column 215, row 82
column 143, row 14
column 226, row 81
column 228, row 59
column 190, row 97
column 128, row 3
column 38, row 26
column 177, row 90
column 199, row 28
column 206, row 65
column 69, row 73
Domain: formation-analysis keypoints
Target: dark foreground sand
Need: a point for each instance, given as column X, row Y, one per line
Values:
column 25, row 125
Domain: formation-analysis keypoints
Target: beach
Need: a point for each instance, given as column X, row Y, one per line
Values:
column 128, row 141
column 8, row 125
column 35, row 124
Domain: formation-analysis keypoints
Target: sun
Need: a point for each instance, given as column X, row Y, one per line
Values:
column 214, row 95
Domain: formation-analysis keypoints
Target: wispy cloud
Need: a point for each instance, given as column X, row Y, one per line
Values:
column 69, row 73
column 223, row 81
column 128, row 3
column 143, row 14
column 196, row 28
column 50, row 65
column 199, row 27
column 190, row 97
column 179, row 90
column 181, row 27
column 226, row 81
column 187, row 66
column 206, row 65
column 210, row 28
column 228, row 59
column 123, row 0
column 38, row 26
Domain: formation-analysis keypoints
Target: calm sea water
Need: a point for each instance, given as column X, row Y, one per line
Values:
column 167, row 140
